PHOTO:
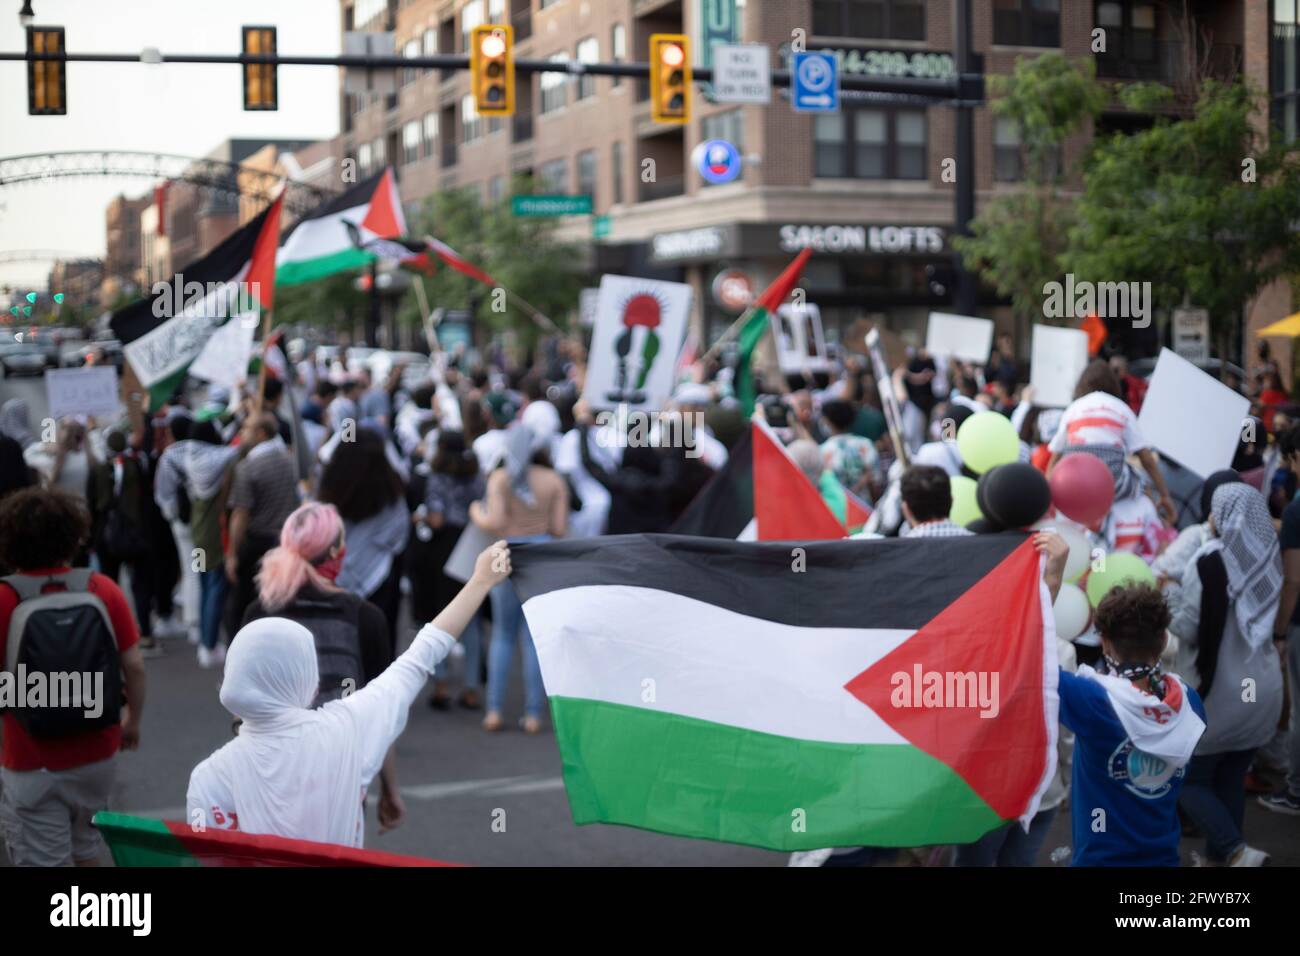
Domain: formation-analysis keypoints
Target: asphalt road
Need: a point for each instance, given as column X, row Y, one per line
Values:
column 456, row 779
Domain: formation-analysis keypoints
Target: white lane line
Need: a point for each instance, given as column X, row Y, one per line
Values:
column 503, row 786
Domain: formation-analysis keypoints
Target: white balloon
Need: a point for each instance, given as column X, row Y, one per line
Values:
column 1071, row 612
column 1075, row 537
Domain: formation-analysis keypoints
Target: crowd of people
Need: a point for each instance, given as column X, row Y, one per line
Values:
column 306, row 541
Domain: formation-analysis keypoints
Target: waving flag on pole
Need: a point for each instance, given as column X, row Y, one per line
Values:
column 751, row 333
column 320, row 245
column 164, row 333
column 899, row 692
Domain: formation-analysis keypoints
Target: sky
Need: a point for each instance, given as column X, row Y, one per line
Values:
column 185, row 109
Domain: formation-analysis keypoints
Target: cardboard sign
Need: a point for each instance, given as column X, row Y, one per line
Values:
column 963, row 337
column 800, row 342
column 1058, row 357
column 1192, row 417
column 225, row 355
column 91, row 391
column 640, row 326
column 894, row 348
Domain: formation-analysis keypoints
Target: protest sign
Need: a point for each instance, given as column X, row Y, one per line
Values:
column 91, row 391
column 1192, row 417
column 800, row 342
column 961, row 337
column 1058, row 357
column 640, row 325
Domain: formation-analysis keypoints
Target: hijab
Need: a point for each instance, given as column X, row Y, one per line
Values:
column 1251, row 558
column 1212, row 484
column 518, row 456
column 14, row 421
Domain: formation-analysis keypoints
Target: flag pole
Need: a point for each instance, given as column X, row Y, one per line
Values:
column 422, row 300
column 261, row 370
column 537, row 316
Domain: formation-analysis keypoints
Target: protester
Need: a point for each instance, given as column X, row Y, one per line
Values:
column 1286, row 630
column 927, row 500
column 58, row 768
column 526, row 501
column 362, row 484
column 301, row 773
column 849, row 457
column 1223, row 618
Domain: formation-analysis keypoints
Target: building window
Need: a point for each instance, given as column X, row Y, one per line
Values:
column 616, row 171
column 1027, row 22
column 729, row 125
column 1284, row 60
column 884, row 19
column 430, row 42
column 410, row 142
column 430, row 131
column 471, row 16
column 618, row 48
column 379, row 153
column 588, row 52
column 870, row 144
column 496, row 12
column 553, row 177
column 554, row 86
column 1006, row 150
column 410, row 50
column 543, row 4
column 587, row 174
column 363, row 159
column 470, row 124
column 496, row 189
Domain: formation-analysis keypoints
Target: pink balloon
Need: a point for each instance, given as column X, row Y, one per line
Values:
column 1082, row 488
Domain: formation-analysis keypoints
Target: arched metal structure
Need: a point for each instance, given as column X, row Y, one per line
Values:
column 216, row 175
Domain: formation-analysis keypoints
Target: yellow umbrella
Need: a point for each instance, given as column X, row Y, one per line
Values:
column 1290, row 327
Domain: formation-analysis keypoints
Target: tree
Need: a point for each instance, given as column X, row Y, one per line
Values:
column 1016, row 240
column 521, row 253
column 333, row 302
column 1203, row 207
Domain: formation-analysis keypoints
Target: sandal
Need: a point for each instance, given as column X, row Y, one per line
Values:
column 470, row 700
column 531, row 725
column 492, row 722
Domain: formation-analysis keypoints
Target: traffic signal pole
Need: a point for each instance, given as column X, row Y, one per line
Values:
column 966, row 293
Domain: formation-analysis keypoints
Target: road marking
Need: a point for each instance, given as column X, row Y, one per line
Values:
column 497, row 786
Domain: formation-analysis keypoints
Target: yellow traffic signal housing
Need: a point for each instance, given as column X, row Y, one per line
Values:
column 492, row 69
column 47, row 80
column 261, row 88
column 670, row 78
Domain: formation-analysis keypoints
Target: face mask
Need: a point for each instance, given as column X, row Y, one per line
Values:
column 329, row 568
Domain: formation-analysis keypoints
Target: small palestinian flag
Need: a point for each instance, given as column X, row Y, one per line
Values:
column 751, row 333
column 761, row 494
column 419, row 255
column 143, row 841
column 320, row 244
column 897, row 692
column 164, row 333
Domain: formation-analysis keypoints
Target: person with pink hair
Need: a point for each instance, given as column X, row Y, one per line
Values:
column 296, row 581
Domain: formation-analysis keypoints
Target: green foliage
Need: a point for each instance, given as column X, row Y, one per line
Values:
column 1179, row 206
column 521, row 253
column 1017, row 239
column 332, row 303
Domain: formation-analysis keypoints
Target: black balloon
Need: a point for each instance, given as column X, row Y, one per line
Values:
column 1014, row 495
column 984, row 526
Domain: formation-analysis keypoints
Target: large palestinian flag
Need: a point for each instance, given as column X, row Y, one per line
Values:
column 165, row 332
column 143, row 841
column 321, row 245
column 882, row 693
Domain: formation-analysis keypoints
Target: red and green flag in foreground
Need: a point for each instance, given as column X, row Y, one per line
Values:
column 751, row 333
column 842, row 693
column 143, row 841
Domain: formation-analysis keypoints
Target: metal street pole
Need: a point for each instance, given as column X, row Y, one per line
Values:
column 966, row 293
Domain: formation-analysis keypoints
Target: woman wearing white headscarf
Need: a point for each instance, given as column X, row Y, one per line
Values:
column 1223, row 618
column 302, row 773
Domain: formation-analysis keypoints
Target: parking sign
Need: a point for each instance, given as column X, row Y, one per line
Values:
column 814, row 83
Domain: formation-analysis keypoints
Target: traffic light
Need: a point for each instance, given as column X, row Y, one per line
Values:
column 261, row 90
column 47, row 80
column 492, row 69
column 670, row 78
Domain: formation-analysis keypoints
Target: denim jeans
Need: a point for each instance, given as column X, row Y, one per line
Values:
column 1214, row 798
column 1009, row 845
column 212, row 599
column 507, row 625
column 472, row 640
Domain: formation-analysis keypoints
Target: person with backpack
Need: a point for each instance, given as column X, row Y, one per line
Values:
column 296, row 582
column 58, row 763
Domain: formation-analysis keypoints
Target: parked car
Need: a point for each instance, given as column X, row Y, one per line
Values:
column 22, row 358
column 1143, row 368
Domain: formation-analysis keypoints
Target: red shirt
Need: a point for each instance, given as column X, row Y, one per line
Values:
column 18, row 750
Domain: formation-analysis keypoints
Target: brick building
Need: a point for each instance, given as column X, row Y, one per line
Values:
column 122, row 261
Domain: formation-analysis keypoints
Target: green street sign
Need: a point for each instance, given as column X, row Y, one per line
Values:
column 600, row 227
column 550, row 205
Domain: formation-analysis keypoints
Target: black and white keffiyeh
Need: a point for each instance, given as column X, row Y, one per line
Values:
column 1251, row 557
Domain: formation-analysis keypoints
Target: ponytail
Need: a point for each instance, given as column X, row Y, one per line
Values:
column 307, row 536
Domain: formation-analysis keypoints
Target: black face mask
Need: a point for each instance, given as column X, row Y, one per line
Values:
column 1135, row 673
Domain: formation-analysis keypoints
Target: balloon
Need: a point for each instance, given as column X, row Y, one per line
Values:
column 1118, row 567
column 984, row 526
column 1071, row 612
column 964, row 509
column 1080, row 552
column 1082, row 488
column 1014, row 495
column 986, row 440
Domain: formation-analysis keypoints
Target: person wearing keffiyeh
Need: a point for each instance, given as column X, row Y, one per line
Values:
column 1223, row 617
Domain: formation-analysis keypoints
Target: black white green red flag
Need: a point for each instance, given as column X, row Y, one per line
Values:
column 846, row 693
column 321, row 245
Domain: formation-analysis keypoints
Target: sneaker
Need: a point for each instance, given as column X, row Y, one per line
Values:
column 809, row 857
column 1248, row 856
column 1281, row 803
column 149, row 646
column 213, row 657
column 192, row 635
column 168, row 627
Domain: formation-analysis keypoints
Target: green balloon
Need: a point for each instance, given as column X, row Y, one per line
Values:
column 987, row 440
column 1118, row 567
column 965, row 509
